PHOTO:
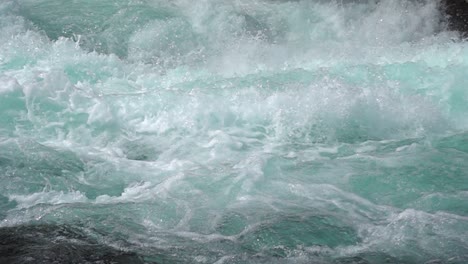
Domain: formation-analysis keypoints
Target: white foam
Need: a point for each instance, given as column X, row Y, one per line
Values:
column 48, row 198
column 8, row 84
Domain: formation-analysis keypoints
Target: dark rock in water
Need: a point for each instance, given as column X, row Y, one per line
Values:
column 57, row 244
column 457, row 15
column 372, row 257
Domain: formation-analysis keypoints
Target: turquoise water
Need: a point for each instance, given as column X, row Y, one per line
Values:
column 219, row 131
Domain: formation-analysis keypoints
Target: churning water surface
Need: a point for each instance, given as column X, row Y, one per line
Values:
column 232, row 131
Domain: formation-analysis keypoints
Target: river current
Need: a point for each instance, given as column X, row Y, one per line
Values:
column 232, row 131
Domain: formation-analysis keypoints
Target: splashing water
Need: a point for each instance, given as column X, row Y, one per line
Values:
column 219, row 131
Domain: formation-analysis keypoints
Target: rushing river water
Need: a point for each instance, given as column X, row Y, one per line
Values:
column 232, row 131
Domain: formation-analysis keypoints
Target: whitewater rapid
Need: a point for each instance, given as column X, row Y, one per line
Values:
column 239, row 131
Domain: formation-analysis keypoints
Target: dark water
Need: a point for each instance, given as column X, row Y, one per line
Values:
column 240, row 131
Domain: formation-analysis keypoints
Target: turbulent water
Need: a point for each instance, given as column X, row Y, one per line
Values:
column 232, row 131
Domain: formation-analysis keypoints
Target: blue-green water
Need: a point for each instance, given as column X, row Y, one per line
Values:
column 221, row 131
